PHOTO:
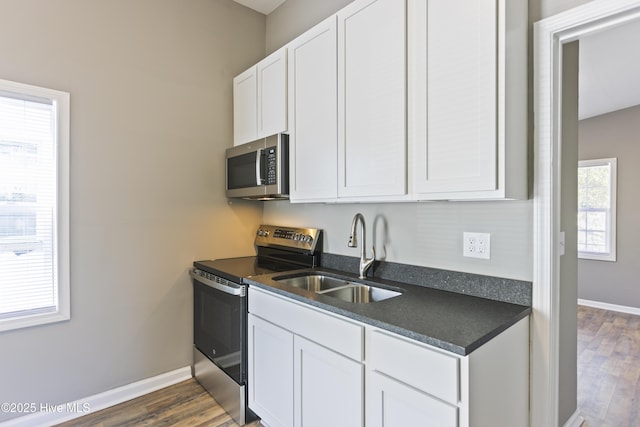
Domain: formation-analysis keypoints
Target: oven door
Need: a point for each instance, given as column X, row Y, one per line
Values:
column 219, row 323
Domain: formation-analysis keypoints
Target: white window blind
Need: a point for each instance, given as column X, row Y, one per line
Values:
column 32, row 121
column 597, row 209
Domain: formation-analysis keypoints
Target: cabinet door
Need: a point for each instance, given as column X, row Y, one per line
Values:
column 270, row 372
column 313, row 116
column 328, row 387
column 245, row 107
column 272, row 94
column 371, row 95
column 453, row 57
column 391, row 403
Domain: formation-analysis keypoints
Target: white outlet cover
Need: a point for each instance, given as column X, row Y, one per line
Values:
column 476, row 245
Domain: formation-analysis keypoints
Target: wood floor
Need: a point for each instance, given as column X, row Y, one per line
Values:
column 183, row 404
column 608, row 368
column 608, row 384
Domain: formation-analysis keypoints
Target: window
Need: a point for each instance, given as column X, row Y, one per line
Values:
column 597, row 209
column 34, row 213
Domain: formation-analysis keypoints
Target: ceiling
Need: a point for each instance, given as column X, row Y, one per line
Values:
column 262, row 6
column 609, row 78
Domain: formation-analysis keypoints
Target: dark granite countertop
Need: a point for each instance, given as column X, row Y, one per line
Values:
column 452, row 321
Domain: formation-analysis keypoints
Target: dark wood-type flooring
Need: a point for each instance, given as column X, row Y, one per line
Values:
column 608, row 384
column 183, row 404
column 608, row 368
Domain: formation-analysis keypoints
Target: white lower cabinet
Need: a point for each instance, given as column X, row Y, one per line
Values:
column 413, row 383
column 327, row 387
column 392, row 403
column 270, row 372
column 305, row 365
column 307, row 368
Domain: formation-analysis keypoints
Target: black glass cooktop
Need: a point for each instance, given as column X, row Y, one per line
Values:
column 234, row 269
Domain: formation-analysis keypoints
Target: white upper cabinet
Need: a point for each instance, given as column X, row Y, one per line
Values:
column 371, row 99
column 272, row 94
column 392, row 100
column 313, row 116
column 245, row 107
column 467, row 99
column 260, row 99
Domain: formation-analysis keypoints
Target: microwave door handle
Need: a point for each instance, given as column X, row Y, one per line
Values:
column 259, row 154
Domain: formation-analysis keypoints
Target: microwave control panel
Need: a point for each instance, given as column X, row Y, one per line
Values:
column 272, row 167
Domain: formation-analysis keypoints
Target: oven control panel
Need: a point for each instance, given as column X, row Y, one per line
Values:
column 304, row 239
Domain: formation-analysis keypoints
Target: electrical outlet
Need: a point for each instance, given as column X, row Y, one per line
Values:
column 476, row 245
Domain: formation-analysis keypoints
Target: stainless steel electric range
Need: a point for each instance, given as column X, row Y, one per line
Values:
column 220, row 309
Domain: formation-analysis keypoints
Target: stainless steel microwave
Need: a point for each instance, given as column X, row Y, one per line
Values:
column 259, row 170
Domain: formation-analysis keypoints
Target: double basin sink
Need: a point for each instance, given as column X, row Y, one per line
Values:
column 341, row 288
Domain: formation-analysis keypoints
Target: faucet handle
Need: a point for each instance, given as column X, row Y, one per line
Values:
column 365, row 263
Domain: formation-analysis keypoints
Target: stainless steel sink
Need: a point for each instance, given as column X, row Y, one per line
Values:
column 342, row 289
column 362, row 293
column 313, row 282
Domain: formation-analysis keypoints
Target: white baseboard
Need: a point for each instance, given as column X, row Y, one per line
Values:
column 575, row 420
column 607, row 306
column 55, row 414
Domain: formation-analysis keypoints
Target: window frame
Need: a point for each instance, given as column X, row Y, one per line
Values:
column 611, row 234
column 61, row 103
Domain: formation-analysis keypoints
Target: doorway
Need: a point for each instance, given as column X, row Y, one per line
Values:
column 548, row 329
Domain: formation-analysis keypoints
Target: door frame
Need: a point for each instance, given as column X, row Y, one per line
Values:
column 549, row 36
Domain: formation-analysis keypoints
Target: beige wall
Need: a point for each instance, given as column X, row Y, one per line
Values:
column 294, row 17
column 615, row 135
column 151, row 113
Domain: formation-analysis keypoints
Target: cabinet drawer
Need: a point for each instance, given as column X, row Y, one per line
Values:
column 324, row 328
column 415, row 364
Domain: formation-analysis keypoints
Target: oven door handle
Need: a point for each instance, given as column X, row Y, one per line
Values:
column 238, row 290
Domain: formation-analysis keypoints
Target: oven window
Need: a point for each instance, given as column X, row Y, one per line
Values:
column 219, row 328
column 241, row 171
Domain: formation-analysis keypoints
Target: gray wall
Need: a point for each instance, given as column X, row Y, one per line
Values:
column 151, row 113
column 539, row 9
column 615, row 135
column 567, row 336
